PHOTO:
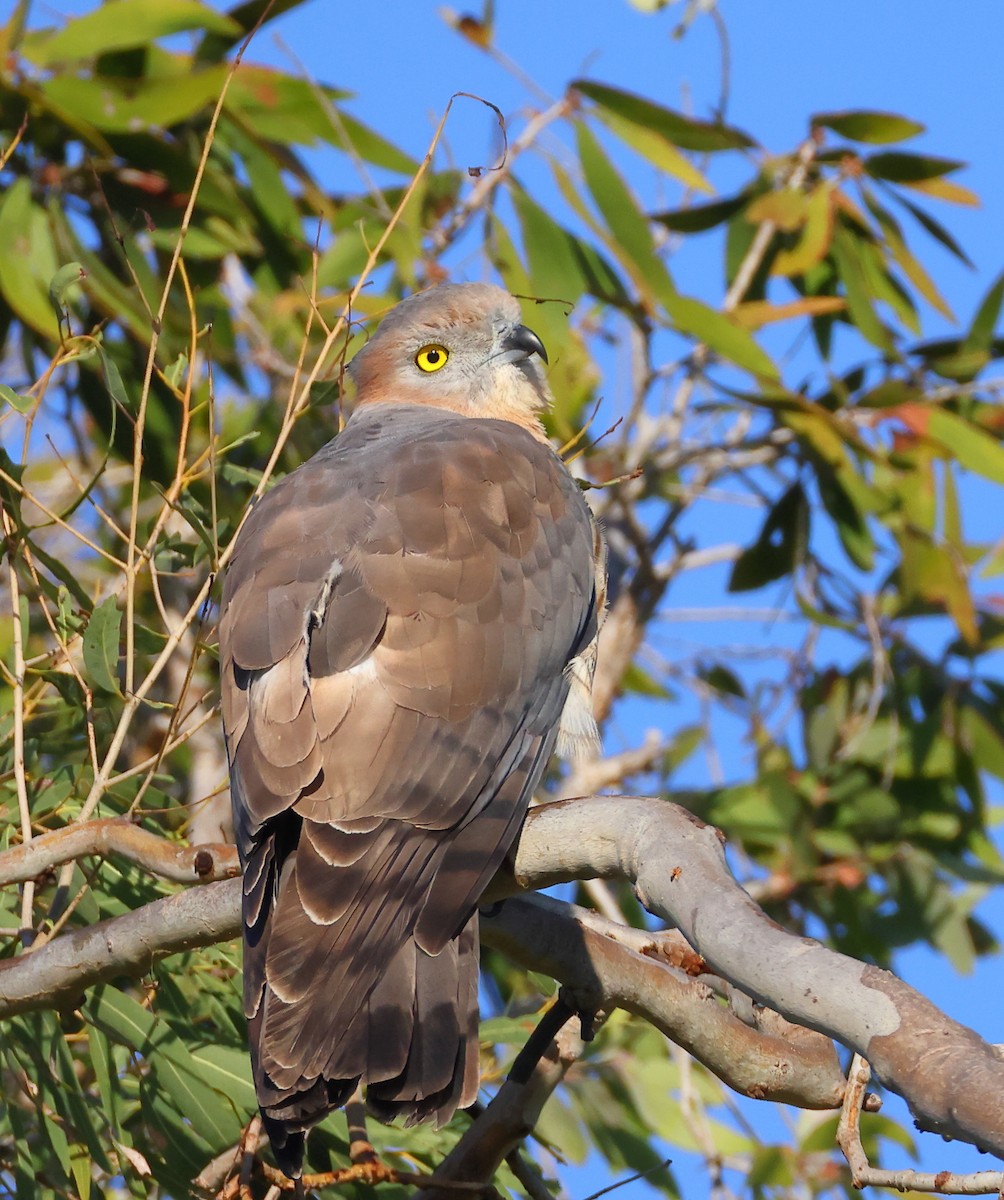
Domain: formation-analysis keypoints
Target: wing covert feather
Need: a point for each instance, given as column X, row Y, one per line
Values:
column 395, row 630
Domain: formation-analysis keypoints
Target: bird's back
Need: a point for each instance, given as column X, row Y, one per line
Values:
column 397, row 623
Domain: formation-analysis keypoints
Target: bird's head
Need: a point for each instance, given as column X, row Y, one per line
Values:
column 460, row 346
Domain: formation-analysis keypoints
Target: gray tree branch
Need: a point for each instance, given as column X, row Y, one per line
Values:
column 952, row 1080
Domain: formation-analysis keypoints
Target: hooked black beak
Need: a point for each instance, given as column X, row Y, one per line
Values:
column 524, row 340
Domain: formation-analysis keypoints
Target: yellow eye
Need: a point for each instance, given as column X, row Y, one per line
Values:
column 431, row 358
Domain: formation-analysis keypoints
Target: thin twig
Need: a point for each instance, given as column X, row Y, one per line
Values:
column 20, row 776
column 863, row 1174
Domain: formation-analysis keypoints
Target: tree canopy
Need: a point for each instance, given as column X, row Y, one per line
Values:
column 180, row 287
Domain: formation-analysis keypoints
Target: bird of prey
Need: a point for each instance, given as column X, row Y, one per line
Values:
column 408, row 624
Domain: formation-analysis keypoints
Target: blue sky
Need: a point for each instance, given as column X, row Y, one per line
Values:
column 937, row 63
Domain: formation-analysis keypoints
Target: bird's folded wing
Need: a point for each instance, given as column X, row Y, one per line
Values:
column 396, row 627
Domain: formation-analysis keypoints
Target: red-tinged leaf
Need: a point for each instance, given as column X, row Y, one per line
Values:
column 876, row 128
column 898, row 167
column 682, row 131
column 957, row 437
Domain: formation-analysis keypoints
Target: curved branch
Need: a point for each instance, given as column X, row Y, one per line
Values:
column 790, row 1066
column 56, row 975
column 952, row 1079
column 118, row 835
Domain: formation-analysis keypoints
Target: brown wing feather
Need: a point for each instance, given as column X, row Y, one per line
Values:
column 396, row 625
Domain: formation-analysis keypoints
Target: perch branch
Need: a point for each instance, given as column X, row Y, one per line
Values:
column 952, row 1080
column 547, row 935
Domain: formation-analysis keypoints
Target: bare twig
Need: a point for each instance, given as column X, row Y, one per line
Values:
column 20, row 777
column 863, row 1174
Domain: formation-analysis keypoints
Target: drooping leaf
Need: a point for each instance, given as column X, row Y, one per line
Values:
column 628, row 225
column 101, row 645
column 658, row 149
column 779, row 547
column 935, row 229
column 860, row 296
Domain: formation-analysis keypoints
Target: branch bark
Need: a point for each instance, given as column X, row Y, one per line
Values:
column 952, row 1080
column 118, row 835
column 549, row 936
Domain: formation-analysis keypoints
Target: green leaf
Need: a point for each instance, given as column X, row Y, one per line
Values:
column 657, row 149
column 21, row 404
column 721, row 333
column 935, row 229
column 863, row 125
column 780, row 546
column 697, row 218
column 554, row 269
column 61, row 283
column 682, row 131
column 120, row 24
column 101, row 645
column 910, row 265
column 156, row 104
column 898, row 167
column 814, row 242
column 854, row 276
column 980, row 337
column 632, row 238
column 26, row 258
column 852, row 527
column 723, row 680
